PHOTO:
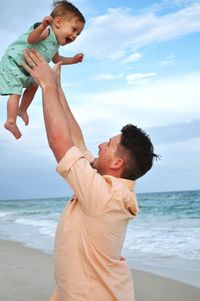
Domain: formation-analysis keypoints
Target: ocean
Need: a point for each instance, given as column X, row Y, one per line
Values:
column 168, row 225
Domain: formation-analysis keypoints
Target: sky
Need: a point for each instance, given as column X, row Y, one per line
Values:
column 141, row 66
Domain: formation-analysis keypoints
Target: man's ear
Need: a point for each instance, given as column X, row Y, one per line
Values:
column 117, row 163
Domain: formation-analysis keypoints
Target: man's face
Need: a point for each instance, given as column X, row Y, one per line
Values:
column 107, row 152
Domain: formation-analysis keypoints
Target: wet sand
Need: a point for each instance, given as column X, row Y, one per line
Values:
column 27, row 274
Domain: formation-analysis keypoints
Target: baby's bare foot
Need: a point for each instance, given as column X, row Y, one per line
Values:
column 13, row 129
column 24, row 116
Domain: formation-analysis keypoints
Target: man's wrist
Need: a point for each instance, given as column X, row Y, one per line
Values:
column 49, row 86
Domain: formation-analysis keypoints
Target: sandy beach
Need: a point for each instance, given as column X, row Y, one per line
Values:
column 27, row 275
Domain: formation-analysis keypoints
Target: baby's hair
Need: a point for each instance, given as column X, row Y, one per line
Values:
column 64, row 8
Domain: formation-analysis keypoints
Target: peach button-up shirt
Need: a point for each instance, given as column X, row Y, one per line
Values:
column 91, row 232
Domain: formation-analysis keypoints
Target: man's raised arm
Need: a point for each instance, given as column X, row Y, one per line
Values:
column 59, row 121
column 75, row 130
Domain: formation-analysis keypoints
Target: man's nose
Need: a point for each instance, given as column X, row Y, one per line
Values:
column 100, row 146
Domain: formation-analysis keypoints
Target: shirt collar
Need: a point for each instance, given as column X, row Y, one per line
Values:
column 129, row 183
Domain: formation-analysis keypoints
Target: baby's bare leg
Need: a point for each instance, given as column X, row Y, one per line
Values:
column 12, row 109
column 26, row 101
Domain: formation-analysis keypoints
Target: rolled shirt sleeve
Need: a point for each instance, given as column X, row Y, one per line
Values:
column 92, row 190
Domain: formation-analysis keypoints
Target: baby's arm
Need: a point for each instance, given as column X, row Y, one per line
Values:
column 40, row 32
column 78, row 58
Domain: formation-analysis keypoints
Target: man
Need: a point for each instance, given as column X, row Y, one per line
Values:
column 92, row 228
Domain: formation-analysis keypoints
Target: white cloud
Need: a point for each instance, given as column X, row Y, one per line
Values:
column 160, row 102
column 107, row 76
column 21, row 16
column 17, row 17
column 192, row 145
column 168, row 61
column 135, row 78
column 113, row 39
column 180, row 2
column 133, row 57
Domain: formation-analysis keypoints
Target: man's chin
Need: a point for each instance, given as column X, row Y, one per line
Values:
column 93, row 163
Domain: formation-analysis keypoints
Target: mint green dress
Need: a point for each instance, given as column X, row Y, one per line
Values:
column 13, row 77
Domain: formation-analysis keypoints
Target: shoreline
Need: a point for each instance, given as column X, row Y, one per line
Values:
column 27, row 274
column 183, row 271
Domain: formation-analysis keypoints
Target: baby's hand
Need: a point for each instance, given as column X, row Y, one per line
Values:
column 78, row 58
column 47, row 21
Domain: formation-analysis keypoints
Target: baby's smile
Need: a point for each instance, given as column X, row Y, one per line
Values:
column 68, row 40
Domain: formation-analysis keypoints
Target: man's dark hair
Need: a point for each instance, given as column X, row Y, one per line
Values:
column 63, row 7
column 137, row 151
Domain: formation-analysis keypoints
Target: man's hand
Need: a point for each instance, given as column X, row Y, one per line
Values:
column 39, row 69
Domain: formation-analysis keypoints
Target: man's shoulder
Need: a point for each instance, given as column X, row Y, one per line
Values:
column 120, row 182
column 73, row 155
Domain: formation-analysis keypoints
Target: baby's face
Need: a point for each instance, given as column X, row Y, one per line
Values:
column 67, row 30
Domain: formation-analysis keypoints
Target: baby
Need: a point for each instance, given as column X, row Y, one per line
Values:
column 62, row 27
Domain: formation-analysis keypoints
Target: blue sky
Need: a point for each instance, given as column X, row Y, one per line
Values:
column 141, row 66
